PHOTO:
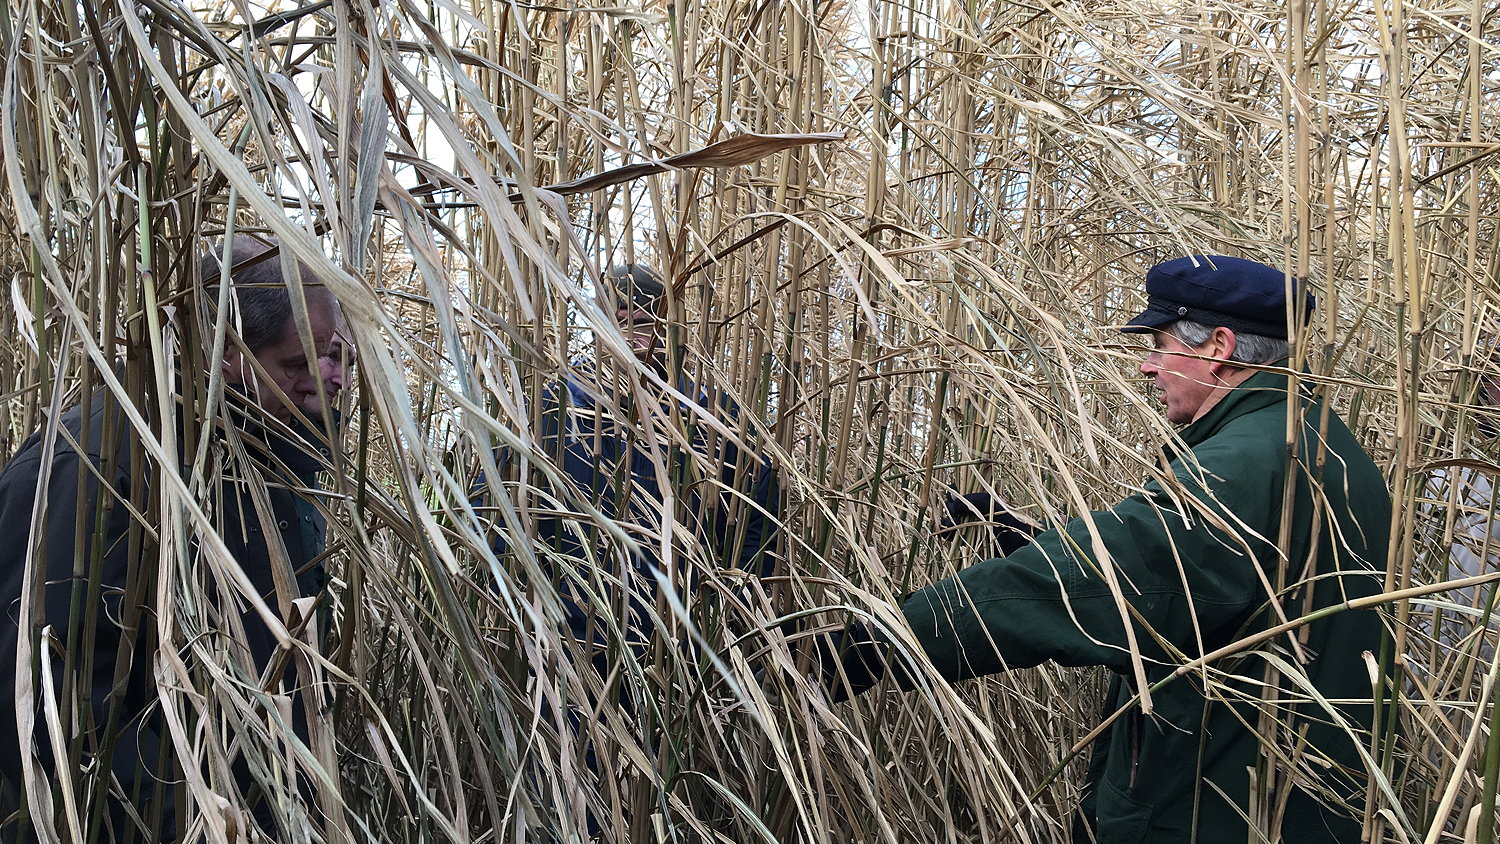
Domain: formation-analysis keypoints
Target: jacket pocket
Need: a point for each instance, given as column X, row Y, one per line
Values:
column 1122, row 819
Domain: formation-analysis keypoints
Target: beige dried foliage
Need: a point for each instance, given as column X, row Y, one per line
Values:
column 919, row 302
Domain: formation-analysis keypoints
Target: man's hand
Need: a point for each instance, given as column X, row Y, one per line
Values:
column 850, row 661
column 1010, row 531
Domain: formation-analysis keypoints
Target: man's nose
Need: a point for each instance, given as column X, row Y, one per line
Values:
column 333, row 373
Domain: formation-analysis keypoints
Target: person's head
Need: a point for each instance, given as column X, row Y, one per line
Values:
column 1209, row 316
column 637, row 296
column 281, row 376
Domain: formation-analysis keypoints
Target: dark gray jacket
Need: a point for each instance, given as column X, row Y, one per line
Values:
column 100, row 567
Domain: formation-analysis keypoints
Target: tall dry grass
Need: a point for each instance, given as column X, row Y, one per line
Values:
column 920, row 306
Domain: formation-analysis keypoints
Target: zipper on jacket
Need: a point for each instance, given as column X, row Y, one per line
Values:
column 1135, row 746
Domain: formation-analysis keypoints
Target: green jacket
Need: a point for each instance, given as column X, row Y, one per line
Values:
column 1190, row 562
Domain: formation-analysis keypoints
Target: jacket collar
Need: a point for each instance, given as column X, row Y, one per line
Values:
column 586, row 386
column 1261, row 390
column 301, row 449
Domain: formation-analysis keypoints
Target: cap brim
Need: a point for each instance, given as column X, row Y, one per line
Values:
column 1147, row 322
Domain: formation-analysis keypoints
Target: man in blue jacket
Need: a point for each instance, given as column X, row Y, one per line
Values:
column 726, row 500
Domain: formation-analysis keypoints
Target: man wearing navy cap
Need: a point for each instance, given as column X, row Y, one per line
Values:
column 638, row 301
column 1265, row 738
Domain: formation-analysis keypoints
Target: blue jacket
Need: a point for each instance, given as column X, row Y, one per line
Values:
column 614, row 472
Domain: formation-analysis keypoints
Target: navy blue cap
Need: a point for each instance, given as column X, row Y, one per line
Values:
column 1243, row 296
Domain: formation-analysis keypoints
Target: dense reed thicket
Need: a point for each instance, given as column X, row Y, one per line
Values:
column 918, row 300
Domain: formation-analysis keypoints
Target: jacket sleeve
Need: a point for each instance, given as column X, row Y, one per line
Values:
column 1187, row 565
column 762, row 515
column 92, row 636
column 551, row 443
column 752, row 492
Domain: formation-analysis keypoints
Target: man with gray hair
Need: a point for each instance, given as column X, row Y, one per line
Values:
column 1237, row 533
column 84, row 558
column 270, row 363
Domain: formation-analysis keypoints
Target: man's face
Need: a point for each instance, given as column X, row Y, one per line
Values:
column 337, row 366
column 1184, row 382
column 643, row 330
column 287, row 368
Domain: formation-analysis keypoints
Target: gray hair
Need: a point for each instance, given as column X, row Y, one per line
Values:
column 1248, row 348
column 263, row 300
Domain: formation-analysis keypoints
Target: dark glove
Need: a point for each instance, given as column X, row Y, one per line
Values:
column 1009, row 531
column 850, row 661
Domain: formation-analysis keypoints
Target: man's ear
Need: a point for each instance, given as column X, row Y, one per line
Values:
column 1221, row 347
column 232, row 367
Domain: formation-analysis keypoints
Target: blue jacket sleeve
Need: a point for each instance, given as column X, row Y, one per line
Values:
column 762, row 518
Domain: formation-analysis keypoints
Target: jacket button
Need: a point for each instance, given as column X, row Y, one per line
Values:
column 281, row 524
column 307, row 518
